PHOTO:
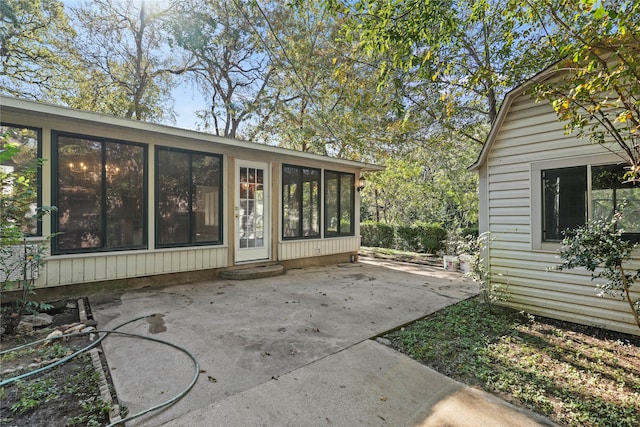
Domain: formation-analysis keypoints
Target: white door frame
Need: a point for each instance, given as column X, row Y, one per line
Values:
column 252, row 237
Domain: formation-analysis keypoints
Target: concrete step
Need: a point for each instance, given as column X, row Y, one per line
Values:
column 253, row 272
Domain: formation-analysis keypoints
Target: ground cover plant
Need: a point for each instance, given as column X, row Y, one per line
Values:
column 68, row 395
column 575, row 375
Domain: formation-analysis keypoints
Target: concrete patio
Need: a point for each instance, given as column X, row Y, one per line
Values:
column 292, row 350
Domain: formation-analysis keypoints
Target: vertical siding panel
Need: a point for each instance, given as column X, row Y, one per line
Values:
column 158, row 263
column 175, row 261
column 100, row 268
column 112, row 267
column 89, row 269
column 191, row 262
column 141, row 264
column 131, row 265
column 77, row 270
column 150, row 263
column 65, row 271
column 53, row 272
column 121, row 266
column 166, row 262
column 198, row 259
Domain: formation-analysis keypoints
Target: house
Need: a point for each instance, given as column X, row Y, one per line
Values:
column 535, row 182
column 153, row 203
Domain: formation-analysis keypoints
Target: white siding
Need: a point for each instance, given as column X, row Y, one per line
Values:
column 86, row 268
column 309, row 248
column 531, row 133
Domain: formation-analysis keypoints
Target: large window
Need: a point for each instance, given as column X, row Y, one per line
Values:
column 24, row 161
column 571, row 196
column 189, row 200
column 300, row 202
column 100, row 194
column 339, row 203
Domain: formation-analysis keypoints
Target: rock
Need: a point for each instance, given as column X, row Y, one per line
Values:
column 24, row 328
column 37, row 320
column 53, row 334
column 383, row 341
column 75, row 329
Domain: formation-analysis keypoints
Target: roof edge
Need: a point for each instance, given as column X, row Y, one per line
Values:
column 504, row 109
column 10, row 102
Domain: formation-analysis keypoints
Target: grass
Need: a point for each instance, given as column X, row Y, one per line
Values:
column 575, row 375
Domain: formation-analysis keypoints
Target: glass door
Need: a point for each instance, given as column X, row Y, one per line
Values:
column 252, row 212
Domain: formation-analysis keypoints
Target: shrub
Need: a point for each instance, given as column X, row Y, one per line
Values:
column 432, row 236
column 377, row 234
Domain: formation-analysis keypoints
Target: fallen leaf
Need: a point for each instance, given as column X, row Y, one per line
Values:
column 211, row 379
column 383, row 398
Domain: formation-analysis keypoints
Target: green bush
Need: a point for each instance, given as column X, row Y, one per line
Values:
column 432, row 237
column 377, row 234
column 408, row 238
column 419, row 237
column 470, row 231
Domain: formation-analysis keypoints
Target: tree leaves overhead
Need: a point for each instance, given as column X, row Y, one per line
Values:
column 123, row 67
column 232, row 66
column 34, row 35
column 597, row 93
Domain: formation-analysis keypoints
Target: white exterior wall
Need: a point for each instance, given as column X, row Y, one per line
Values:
column 510, row 210
column 71, row 269
column 295, row 249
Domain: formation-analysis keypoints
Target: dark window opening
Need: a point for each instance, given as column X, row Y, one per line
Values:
column 101, row 194
column 188, row 198
column 339, row 200
column 300, row 202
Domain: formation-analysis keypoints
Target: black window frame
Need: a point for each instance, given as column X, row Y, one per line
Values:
column 352, row 218
column 300, row 203
column 586, row 173
column 191, row 233
column 55, row 249
column 38, row 131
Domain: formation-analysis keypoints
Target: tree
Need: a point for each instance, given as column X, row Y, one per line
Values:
column 34, row 35
column 453, row 61
column 597, row 92
column 232, row 66
column 123, row 64
column 324, row 100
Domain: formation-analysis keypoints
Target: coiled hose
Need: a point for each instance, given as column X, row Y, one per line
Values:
column 95, row 343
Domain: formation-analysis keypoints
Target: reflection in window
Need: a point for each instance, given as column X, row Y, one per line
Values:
column 188, row 197
column 28, row 141
column 101, row 194
column 339, row 199
column 565, row 199
column 300, row 202
column 609, row 193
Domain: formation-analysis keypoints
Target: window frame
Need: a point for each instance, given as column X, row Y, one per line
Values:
column 300, row 203
column 55, row 249
column 38, row 131
column 536, row 209
column 192, row 241
column 327, row 233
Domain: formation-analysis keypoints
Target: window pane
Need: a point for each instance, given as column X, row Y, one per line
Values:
column 206, row 199
column 611, row 194
column 346, row 203
column 311, row 202
column 290, row 205
column 27, row 140
column 79, row 194
column 564, row 200
column 332, row 215
column 124, row 171
column 173, row 197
